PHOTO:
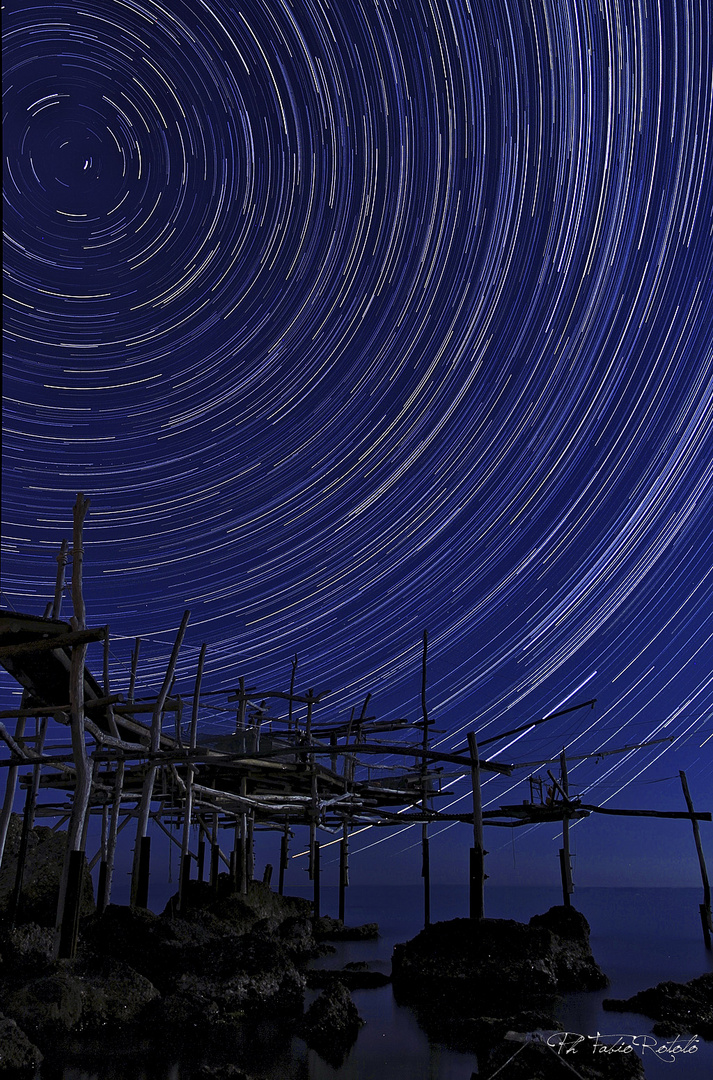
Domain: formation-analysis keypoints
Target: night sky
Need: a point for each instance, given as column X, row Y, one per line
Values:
column 363, row 318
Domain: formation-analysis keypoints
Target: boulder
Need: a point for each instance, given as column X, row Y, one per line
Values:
column 80, row 995
column 360, row 979
column 331, row 1024
column 41, row 876
column 493, row 967
column 18, row 1056
column 328, row 929
column 676, row 1007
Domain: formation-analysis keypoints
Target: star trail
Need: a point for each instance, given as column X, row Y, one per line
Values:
column 354, row 319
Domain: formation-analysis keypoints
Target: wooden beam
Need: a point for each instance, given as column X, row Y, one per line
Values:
column 59, row 641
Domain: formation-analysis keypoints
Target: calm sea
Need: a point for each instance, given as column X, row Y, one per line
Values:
column 639, row 937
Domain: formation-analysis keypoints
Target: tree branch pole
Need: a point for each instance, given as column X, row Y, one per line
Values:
column 477, row 856
column 67, row 920
column 705, row 907
column 425, row 853
column 148, row 786
column 10, row 790
column 188, row 808
column 565, row 857
column 59, row 585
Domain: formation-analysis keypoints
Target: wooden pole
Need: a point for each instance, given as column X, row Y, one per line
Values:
column 28, row 818
column 477, row 857
column 104, row 897
column 284, row 856
column 68, row 919
column 10, row 789
column 705, row 907
column 144, row 808
column 188, row 804
column 315, row 863
column 343, row 870
column 214, row 856
column 425, row 853
column 565, row 857
column 292, row 690
column 59, row 584
column 134, row 664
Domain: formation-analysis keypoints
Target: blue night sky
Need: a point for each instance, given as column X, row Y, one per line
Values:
column 354, row 319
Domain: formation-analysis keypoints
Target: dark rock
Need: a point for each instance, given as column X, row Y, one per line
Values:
column 27, row 950
column 328, row 929
column 575, row 967
column 41, row 877
column 80, row 995
column 331, row 1024
column 18, row 1056
column 221, row 1072
column 483, row 968
column 676, row 1007
column 353, row 980
column 146, row 942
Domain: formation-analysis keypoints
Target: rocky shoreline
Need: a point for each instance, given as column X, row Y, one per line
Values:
column 205, row 986
column 175, row 981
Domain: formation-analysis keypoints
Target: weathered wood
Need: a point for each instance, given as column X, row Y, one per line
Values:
column 477, row 897
column 82, row 764
column 188, row 806
column 10, row 789
column 59, row 583
column 148, row 786
column 698, row 815
column 58, row 641
column 68, row 930
column 566, row 864
column 343, row 869
column 141, row 898
column 284, row 857
column 315, row 875
column 426, row 875
column 104, row 897
column 705, row 907
column 134, row 664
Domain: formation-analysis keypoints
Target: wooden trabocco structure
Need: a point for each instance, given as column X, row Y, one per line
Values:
column 123, row 761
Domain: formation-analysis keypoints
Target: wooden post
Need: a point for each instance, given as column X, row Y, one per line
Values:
column 144, row 808
column 267, row 875
column 426, row 875
column 343, row 870
column 705, row 907
column 59, row 584
column 565, row 857
column 188, row 805
column 104, row 898
column 10, row 789
column 240, row 876
column 425, row 853
column 134, row 664
column 250, row 849
column 315, row 865
column 142, row 884
column 477, row 855
column 69, row 926
column 68, row 919
column 214, row 866
column 284, row 857
column 201, row 859
column 292, row 690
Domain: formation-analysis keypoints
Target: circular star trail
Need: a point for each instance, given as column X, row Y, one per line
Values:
column 354, row 319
